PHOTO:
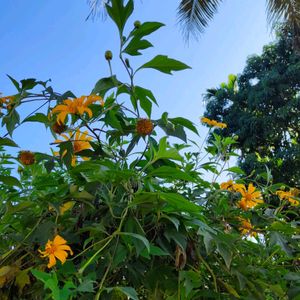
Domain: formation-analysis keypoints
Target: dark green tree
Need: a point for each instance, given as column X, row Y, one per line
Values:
column 262, row 107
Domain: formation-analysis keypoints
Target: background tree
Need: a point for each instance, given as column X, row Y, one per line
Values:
column 195, row 15
column 262, row 107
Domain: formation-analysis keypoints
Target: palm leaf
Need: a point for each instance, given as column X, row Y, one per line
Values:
column 194, row 15
column 96, row 7
column 287, row 11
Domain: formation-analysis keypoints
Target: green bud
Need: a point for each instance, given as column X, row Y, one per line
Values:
column 127, row 62
column 108, row 55
column 137, row 24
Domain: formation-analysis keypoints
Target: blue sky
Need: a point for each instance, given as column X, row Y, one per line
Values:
column 51, row 39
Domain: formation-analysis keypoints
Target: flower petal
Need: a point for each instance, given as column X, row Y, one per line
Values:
column 58, row 240
column 52, row 261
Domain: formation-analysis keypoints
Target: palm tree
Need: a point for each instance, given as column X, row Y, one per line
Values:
column 195, row 15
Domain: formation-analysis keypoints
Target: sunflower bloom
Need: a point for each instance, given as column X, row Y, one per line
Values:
column 289, row 196
column 80, row 142
column 250, row 197
column 246, row 227
column 56, row 249
column 75, row 106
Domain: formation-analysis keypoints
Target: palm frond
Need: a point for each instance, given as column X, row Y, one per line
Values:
column 96, row 8
column 288, row 12
column 194, row 15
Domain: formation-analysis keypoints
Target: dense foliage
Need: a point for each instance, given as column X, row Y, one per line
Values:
column 262, row 107
column 120, row 213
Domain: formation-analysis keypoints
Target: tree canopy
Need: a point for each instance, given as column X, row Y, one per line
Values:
column 262, row 107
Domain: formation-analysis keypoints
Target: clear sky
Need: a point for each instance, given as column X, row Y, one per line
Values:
column 51, row 39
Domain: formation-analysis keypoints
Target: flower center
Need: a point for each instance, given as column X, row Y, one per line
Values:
column 51, row 249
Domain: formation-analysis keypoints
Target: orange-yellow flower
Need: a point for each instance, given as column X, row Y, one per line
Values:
column 144, row 127
column 231, row 186
column 56, row 249
column 7, row 101
column 246, row 227
column 80, row 142
column 213, row 123
column 228, row 185
column 290, row 196
column 76, row 106
column 250, row 197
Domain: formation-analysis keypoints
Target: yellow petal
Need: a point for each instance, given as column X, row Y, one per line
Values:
column 61, row 255
column 52, row 261
column 58, row 240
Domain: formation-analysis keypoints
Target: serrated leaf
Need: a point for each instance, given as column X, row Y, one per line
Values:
column 38, row 117
column 120, row 13
column 165, row 152
column 164, row 64
column 135, row 45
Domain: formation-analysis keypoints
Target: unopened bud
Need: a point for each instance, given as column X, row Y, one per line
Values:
column 108, row 55
column 127, row 62
column 137, row 24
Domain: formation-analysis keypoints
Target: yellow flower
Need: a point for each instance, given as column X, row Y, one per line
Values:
column 56, row 249
column 213, row 123
column 250, row 197
column 7, row 101
column 76, row 106
column 246, row 227
column 231, row 186
column 80, row 142
column 290, row 196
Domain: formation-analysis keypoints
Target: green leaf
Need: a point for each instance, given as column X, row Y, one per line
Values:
column 28, row 84
column 135, row 45
column 225, row 253
column 22, row 279
column 165, row 152
column 7, row 142
column 164, row 64
column 184, row 122
column 128, row 291
column 146, row 28
column 139, row 237
column 105, row 84
column 173, row 130
column 180, row 203
column 10, row 180
column 120, row 13
column 236, row 170
column 38, row 117
column 15, row 82
column 146, row 97
column 170, row 172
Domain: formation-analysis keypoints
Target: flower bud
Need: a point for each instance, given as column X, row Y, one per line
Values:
column 108, row 55
column 137, row 24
